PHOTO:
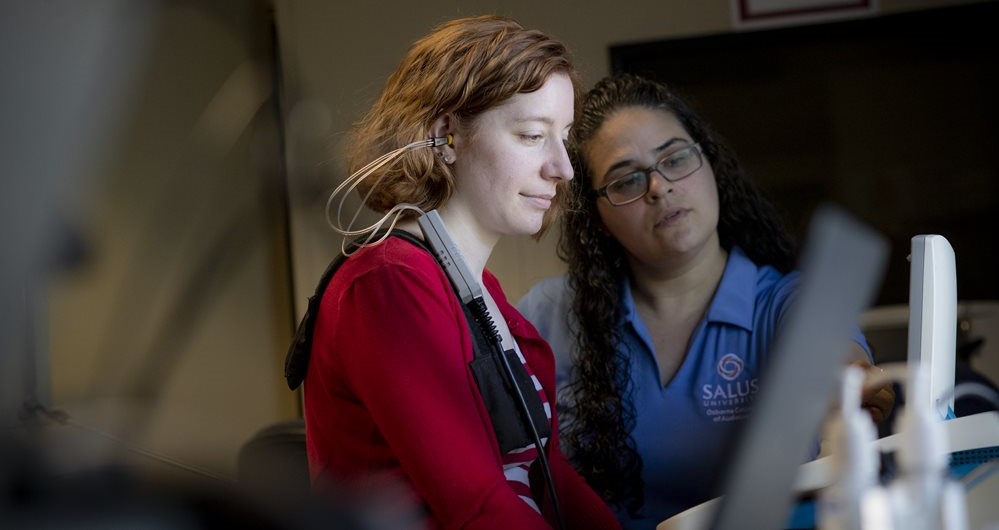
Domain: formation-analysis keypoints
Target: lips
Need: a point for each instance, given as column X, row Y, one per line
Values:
column 542, row 200
column 671, row 217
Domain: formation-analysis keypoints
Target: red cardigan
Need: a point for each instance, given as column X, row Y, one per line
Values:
column 388, row 394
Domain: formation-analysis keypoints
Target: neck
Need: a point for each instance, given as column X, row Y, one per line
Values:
column 474, row 245
column 681, row 287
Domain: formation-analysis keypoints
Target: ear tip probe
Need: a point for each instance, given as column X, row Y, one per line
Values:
column 442, row 140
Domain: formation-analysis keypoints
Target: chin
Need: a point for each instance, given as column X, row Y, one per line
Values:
column 528, row 223
column 526, row 229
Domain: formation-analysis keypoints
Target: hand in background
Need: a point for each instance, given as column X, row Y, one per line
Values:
column 878, row 395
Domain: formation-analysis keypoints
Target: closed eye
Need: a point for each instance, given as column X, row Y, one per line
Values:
column 678, row 159
column 630, row 181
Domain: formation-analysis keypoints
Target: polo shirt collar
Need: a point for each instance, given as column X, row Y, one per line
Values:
column 733, row 303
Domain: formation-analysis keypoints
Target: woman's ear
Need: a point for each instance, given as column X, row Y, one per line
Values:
column 443, row 128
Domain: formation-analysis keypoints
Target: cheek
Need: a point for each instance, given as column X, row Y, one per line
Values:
column 711, row 192
column 620, row 221
column 500, row 173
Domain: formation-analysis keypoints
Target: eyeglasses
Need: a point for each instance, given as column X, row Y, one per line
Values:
column 675, row 166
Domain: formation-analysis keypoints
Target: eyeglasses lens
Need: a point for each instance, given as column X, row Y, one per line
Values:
column 676, row 166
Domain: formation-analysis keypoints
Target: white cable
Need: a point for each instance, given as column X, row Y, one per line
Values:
column 355, row 179
column 395, row 212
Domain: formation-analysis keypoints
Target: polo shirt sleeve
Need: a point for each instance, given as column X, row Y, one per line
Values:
column 785, row 295
column 548, row 306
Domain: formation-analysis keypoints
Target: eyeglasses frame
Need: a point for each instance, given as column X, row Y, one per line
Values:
column 602, row 191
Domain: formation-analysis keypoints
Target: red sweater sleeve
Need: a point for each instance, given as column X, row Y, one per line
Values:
column 392, row 343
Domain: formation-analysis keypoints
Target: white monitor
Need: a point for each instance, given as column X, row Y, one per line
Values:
column 933, row 319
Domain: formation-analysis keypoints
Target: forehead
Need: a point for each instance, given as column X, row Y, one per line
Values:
column 631, row 134
column 552, row 103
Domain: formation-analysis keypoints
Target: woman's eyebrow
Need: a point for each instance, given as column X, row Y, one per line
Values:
column 628, row 162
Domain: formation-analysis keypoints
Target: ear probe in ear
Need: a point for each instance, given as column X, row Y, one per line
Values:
column 442, row 140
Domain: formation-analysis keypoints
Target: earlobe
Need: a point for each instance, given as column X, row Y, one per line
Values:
column 448, row 159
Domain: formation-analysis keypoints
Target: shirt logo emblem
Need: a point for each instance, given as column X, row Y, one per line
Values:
column 727, row 398
column 730, row 366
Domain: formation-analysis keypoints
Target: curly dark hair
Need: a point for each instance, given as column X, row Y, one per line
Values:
column 599, row 437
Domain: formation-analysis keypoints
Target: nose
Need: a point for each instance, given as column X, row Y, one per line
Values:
column 558, row 166
column 658, row 186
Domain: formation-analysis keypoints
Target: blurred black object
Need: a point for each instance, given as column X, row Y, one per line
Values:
column 273, row 471
column 273, row 493
column 969, row 404
column 273, row 465
column 32, row 495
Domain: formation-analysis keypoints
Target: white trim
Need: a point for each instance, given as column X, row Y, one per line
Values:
column 763, row 14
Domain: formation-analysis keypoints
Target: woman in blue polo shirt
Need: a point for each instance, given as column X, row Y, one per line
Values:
column 679, row 278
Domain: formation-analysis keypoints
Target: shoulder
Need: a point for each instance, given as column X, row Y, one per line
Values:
column 771, row 285
column 546, row 297
column 396, row 286
column 777, row 285
column 548, row 307
column 394, row 264
column 751, row 295
column 391, row 253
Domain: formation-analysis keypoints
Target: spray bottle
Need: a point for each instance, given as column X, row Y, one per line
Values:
column 923, row 496
column 854, row 499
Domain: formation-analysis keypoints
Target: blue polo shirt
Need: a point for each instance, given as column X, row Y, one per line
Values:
column 683, row 429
